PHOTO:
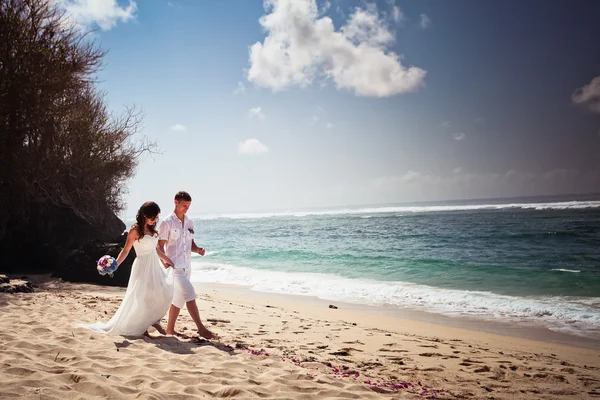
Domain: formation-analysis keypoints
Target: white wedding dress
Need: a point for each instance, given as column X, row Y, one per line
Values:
column 148, row 297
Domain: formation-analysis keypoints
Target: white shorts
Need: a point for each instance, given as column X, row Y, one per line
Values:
column 183, row 290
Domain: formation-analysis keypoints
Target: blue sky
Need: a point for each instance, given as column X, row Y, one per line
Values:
column 297, row 103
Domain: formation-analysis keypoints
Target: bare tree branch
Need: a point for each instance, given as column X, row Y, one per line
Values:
column 60, row 146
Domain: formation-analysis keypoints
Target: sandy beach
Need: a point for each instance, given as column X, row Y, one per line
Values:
column 271, row 348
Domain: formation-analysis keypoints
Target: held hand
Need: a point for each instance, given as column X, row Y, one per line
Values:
column 168, row 263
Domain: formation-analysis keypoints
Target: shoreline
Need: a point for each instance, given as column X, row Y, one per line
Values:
column 502, row 328
column 270, row 347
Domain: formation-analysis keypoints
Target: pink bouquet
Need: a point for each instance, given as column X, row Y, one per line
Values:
column 107, row 265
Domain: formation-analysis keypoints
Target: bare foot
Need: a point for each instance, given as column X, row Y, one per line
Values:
column 206, row 334
column 159, row 329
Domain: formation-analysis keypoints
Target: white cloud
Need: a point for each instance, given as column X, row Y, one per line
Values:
column 410, row 177
column 459, row 136
column 313, row 120
column 179, row 128
column 459, row 178
column 589, row 95
column 240, row 89
column 424, row 21
column 252, row 147
column 458, row 183
column 103, row 13
column 301, row 47
column 330, row 125
column 561, row 174
column 397, row 14
column 256, row 112
column 170, row 4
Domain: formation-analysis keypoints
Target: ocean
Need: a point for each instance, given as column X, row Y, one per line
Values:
column 530, row 261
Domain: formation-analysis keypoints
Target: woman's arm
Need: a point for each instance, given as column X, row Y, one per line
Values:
column 132, row 236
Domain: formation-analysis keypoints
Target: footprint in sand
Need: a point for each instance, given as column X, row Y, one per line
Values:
column 355, row 342
column 342, row 353
column 393, row 350
column 431, row 355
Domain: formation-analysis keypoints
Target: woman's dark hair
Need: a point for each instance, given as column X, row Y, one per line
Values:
column 183, row 195
column 148, row 210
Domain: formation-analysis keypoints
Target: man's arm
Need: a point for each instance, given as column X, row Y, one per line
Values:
column 163, row 257
column 160, row 249
column 161, row 245
column 163, row 236
column 196, row 249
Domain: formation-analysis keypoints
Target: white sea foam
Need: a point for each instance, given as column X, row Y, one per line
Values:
column 565, row 205
column 574, row 315
column 575, row 271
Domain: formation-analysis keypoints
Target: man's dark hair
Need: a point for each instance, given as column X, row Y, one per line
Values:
column 183, row 195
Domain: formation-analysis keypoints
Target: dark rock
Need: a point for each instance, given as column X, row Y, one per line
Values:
column 80, row 264
column 4, row 279
column 332, row 306
column 51, row 233
column 16, row 286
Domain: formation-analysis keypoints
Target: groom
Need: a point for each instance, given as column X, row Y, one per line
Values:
column 176, row 239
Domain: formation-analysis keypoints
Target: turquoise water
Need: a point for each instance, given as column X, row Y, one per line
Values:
column 526, row 260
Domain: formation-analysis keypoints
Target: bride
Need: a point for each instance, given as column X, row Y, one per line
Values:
column 150, row 289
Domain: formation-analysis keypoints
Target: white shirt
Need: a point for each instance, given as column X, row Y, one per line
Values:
column 179, row 238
